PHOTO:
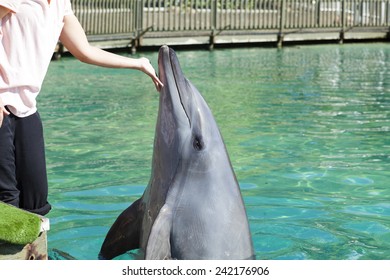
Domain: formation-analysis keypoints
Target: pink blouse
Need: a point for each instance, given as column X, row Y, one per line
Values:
column 28, row 37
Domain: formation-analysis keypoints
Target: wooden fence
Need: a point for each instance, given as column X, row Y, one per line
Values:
column 134, row 20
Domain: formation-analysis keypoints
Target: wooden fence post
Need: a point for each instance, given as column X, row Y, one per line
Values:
column 213, row 14
column 138, row 21
column 281, row 24
column 342, row 32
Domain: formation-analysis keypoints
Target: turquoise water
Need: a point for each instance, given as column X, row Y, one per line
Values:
column 307, row 129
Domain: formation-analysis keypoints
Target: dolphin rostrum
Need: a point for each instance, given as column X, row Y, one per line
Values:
column 192, row 207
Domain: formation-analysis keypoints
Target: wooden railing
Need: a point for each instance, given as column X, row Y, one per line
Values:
column 137, row 17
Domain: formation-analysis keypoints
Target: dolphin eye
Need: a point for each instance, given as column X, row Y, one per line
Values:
column 198, row 144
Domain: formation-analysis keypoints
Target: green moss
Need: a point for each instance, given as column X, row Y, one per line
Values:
column 18, row 226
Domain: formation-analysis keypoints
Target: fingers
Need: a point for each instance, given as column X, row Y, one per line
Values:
column 149, row 70
column 159, row 85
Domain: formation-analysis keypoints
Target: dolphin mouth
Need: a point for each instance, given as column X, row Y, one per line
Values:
column 175, row 83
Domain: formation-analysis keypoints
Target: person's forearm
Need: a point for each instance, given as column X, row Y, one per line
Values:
column 4, row 11
column 97, row 56
column 103, row 58
column 74, row 39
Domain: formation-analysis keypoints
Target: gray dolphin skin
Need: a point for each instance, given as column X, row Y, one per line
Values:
column 192, row 207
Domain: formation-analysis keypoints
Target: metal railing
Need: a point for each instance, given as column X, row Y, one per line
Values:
column 105, row 17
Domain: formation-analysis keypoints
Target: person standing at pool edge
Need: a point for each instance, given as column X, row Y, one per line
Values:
column 29, row 32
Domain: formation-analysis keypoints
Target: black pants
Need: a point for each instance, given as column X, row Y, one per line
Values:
column 23, row 179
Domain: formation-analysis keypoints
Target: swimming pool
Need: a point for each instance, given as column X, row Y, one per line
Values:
column 307, row 130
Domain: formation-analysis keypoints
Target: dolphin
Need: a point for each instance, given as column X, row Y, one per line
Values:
column 192, row 207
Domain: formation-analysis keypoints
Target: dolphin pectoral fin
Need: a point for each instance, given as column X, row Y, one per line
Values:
column 159, row 246
column 124, row 234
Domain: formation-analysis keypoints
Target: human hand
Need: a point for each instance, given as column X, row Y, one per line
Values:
column 3, row 112
column 148, row 69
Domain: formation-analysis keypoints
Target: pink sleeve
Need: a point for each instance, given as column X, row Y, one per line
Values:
column 68, row 7
column 13, row 5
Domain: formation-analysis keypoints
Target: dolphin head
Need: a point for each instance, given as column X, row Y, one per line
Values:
column 185, row 121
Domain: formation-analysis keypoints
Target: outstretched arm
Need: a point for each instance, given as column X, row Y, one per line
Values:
column 74, row 39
